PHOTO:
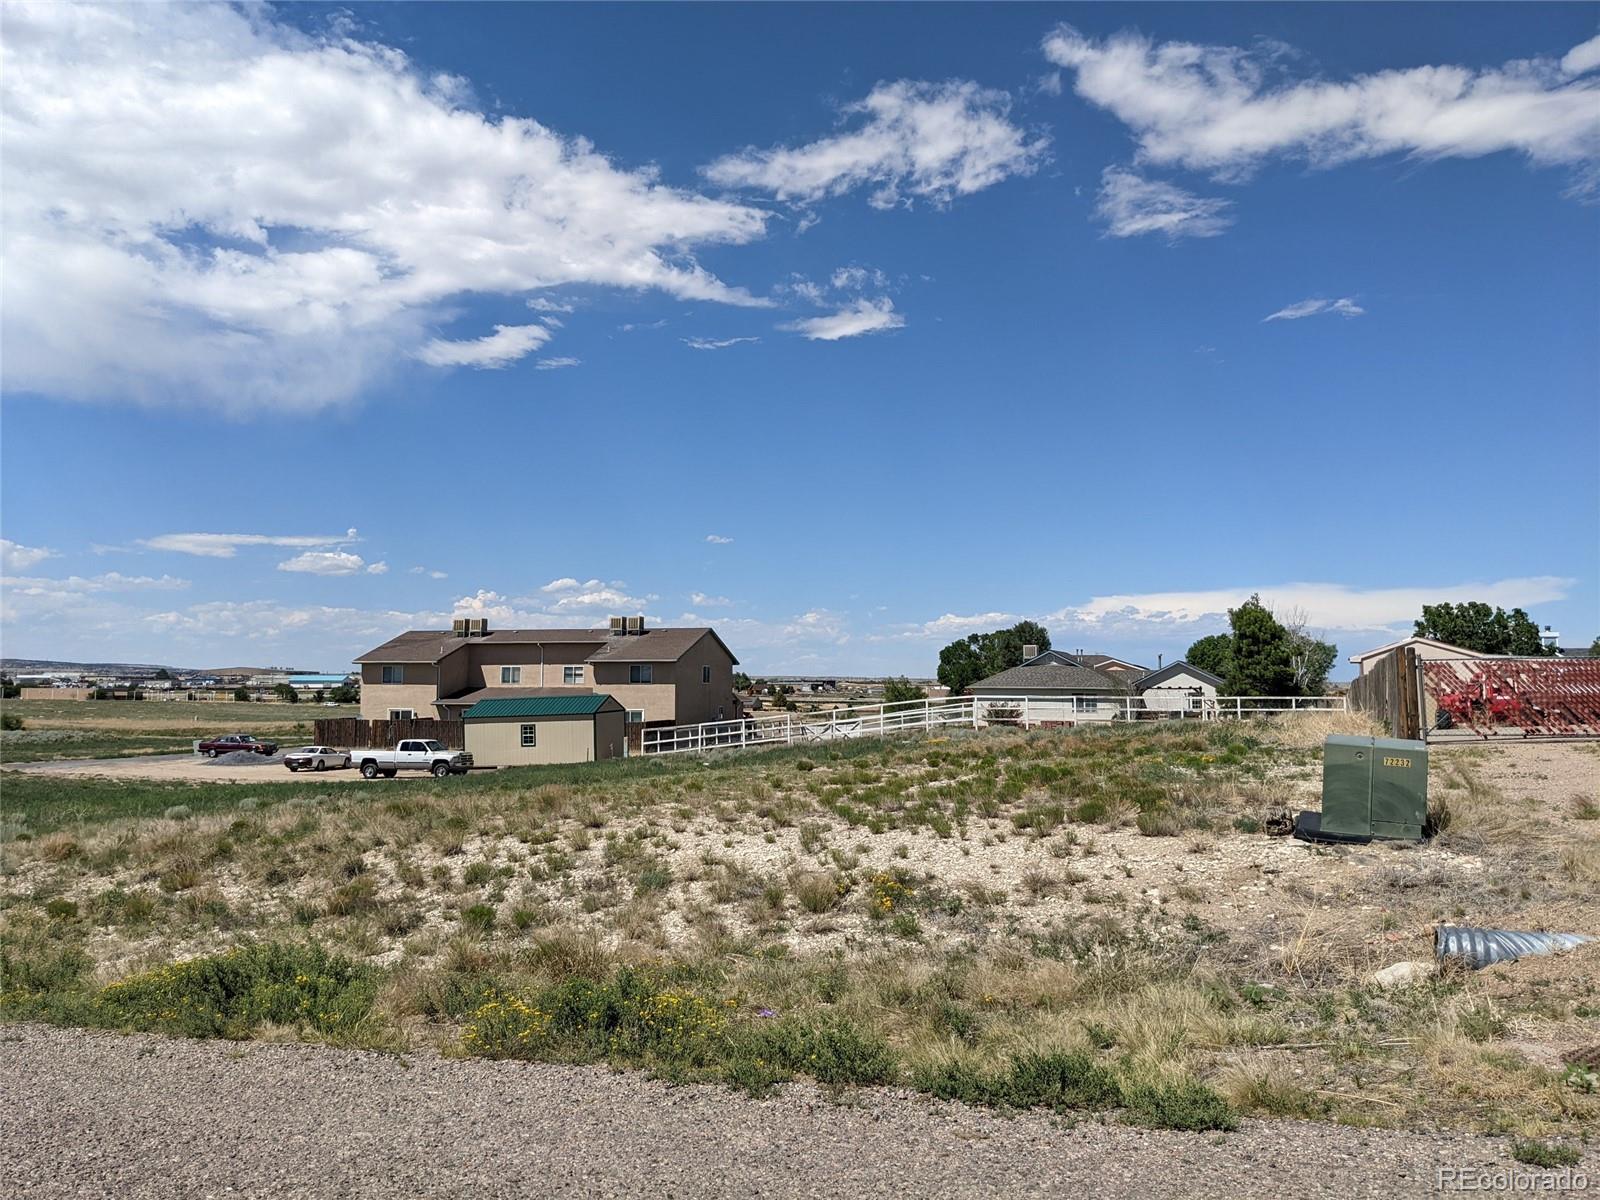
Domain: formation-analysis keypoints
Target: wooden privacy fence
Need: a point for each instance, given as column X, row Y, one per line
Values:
column 353, row 733
column 1391, row 694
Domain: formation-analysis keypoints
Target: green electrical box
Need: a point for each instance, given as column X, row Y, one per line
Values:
column 1371, row 788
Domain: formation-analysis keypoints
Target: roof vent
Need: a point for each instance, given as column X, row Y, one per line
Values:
column 459, row 626
column 619, row 626
column 636, row 624
column 1030, row 652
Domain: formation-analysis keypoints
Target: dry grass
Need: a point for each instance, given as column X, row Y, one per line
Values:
column 1036, row 907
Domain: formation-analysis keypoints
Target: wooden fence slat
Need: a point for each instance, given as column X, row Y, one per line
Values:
column 354, row 733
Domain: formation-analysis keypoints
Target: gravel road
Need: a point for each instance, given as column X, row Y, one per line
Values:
column 97, row 1115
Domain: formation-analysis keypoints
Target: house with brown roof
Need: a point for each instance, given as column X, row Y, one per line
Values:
column 667, row 676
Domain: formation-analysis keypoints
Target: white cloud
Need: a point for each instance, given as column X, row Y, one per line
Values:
column 111, row 581
column 498, row 349
column 854, row 278
column 701, row 600
column 205, row 206
column 1330, row 606
column 716, row 539
column 328, row 562
column 932, row 141
column 226, row 545
column 16, row 557
column 556, row 364
column 543, row 304
column 431, row 574
column 378, row 568
column 1223, row 109
column 1345, row 307
column 1131, row 205
column 704, row 343
column 567, row 584
column 853, row 320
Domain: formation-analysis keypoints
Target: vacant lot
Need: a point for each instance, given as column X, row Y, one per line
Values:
column 1091, row 921
column 71, row 729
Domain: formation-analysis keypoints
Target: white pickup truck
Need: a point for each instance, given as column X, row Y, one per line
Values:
column 413, row 754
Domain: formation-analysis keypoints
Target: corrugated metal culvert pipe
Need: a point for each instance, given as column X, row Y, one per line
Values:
column 1479, row 948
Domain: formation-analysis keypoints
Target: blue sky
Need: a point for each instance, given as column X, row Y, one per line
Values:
column 848, row 330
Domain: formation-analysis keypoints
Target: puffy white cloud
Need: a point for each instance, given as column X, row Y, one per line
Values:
column 492, row 351
column 1131, row 205
column 1345, row 307
column 716, row 539
column 704, row 343
column 556, row 364
column 853, row 320
column 226, row 545
column 327, row 562
column 111, row 581
column 206, row 206
column 16, row 557
column 933, row 141
column 1224, row 109
column 1330, row 606
column 378, row 568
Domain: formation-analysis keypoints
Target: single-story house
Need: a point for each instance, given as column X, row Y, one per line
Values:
column 1426, row 649
column 1172, row 687
column 545, row 726
column 1058, row 688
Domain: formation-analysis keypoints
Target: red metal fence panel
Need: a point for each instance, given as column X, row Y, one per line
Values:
column 1526, row 697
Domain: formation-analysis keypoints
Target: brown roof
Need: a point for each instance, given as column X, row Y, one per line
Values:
column 653, row 645
column 430, row 645
column 656, row 645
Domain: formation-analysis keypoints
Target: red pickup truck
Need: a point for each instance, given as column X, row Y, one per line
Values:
column 234, row 742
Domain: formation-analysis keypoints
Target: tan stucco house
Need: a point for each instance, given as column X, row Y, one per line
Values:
column 667, row 676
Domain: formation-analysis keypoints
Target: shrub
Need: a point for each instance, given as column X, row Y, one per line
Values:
column 1543, row 1154
column 180, row 876
column 830, row 1050
column 1160, row 822
column 1060, row 1081
column 229, row 995
column 818, row 891
column 1187, row 1105
column 477, row 874
column 359, row 896
column 61, row 909
column 10, row 722
column 478, row 916
column 654, row 878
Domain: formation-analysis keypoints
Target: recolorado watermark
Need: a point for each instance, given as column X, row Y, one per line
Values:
column 1515, row 1181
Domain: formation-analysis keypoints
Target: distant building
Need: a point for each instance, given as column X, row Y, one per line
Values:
column 1426, row 649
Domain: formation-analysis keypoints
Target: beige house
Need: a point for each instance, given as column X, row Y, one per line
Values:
column 1426, row 649
column 668, row 676
column 558, row 726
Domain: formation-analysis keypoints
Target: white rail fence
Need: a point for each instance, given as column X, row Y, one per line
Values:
column 972, row 712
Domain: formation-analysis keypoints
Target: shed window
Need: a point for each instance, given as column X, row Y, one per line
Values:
column 530, row 735
column 640, row 673
column 572, row 674
column 705, row 674
column 510, row 674
column 396, row 674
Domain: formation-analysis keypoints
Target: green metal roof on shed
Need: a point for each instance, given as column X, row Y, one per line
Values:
column 586, row 704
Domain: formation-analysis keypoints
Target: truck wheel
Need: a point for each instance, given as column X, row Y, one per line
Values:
column 441, row 769
column 369, row 770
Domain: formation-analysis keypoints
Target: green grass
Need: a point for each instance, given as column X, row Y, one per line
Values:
column 44, row 745
column 38, row 804
column 1544, row 1154
column 203, row 717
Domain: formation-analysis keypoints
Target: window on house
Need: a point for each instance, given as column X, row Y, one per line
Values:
column 640, row 673
column 394, row 675
column 510, row 674
column 705, row 674
column 571, row 674
column 402, row 714
column 635, row 716
column 530, row 735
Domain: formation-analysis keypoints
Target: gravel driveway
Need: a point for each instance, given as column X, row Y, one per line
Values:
column 93, row 1114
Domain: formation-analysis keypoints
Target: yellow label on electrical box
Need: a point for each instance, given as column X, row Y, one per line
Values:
column 1397, row 762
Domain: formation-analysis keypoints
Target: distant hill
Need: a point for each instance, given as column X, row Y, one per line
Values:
column 24, row 666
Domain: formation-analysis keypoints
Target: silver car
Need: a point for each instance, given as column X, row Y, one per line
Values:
column 317, row 758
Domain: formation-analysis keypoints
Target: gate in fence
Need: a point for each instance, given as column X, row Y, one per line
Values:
column 1512, row 697
column 972, row 712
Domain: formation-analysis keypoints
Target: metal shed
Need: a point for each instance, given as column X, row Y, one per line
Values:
column 520, row 731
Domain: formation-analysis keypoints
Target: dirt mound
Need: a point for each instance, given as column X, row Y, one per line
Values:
column 245, row 758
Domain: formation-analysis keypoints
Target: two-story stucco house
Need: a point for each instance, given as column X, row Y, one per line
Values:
column 678, row 676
